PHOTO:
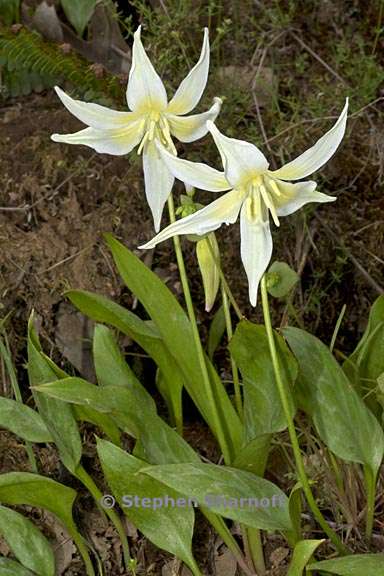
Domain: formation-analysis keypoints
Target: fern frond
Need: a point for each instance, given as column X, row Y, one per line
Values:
column 31, row 63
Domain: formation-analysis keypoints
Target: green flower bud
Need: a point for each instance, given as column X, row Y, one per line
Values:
column 207, row 251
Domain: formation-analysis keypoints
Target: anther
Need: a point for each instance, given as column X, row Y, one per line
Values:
column 269, row 203
column 274, row 187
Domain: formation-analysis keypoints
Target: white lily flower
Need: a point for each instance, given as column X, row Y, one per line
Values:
column 152, row 119
column 254, row 192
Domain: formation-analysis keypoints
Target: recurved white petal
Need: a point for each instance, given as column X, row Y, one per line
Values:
column 192, row 87
column 195, row 173
column 240, row 159
column 145, row 88
column 256, row 247
column 191, row 128
column 95, row 115
column 117, row 142
column 158, row 182
column 224, row 209
column 295, row 196
column 315, row 157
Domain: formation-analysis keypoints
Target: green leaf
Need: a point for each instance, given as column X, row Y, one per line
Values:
column 176, row 332
column 302, row 553
column 143, row 332
column 376, row 316
column 10, row 567
column 281, row 279
column 159, row 441
column 23, row 421
column 295, row 509
column 341, row 418
column 209, row 484
column 168, row 527
column 111, row 368
column 57, row 415
column 263, row 411
column 27, row 543
column 365, row 365
column 102, row 421
column 34, row 490
column 356, row 565
column 254, row 455
column 216, row 331
column 79, row 13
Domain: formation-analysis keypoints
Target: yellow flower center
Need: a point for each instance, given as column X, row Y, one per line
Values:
column 156, row 126
column 262, row 189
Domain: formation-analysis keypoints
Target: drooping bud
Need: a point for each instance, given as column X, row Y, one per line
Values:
column 208, row 255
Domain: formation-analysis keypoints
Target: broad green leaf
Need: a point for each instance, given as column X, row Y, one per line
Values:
column 79, row 13
column 23, row 421
column 111, row 368
column 216, row 331
column 356, row 565
column 168, row 527
column 34, row 490
column 160, row 443
column 10, row 567
column 176, row 332
column 102, row 421
column 253, row 456
column 263, row 411
column 281, row 279
column 376, row 316
column 27, row 543
column 302, row 553
column 58, row 416
column 341, row 418
column 143, row 332
column 365, row 365
column 295, row 509
column 230, row 492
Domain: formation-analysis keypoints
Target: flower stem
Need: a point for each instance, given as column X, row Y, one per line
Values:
column 291, row 426
column 225, row 534
column 217, row 427
column 235, row 372
column 370, row 484
column 88, row 482
column 256, row 550
column 78, row 540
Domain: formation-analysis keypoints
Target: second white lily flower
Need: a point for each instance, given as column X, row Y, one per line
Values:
column 254, row 192
column 152, row 119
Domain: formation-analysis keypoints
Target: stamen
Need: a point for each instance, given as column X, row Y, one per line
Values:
column 269, row 203
column 166, row 134
column 140, row 148
column 274, row 187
